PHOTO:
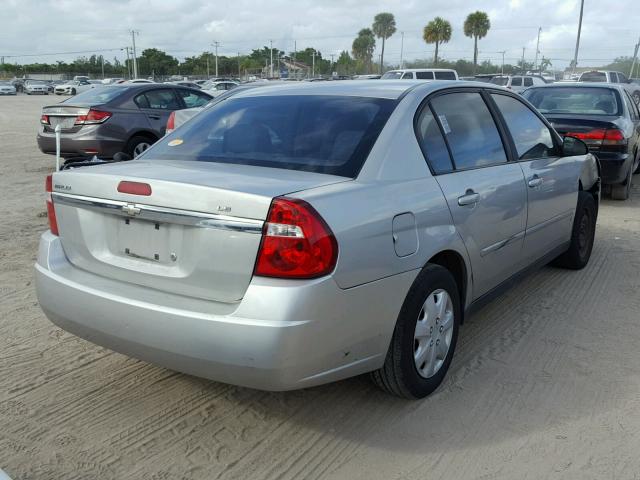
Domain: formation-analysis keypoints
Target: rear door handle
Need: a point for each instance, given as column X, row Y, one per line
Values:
column 535, row 181
column 469, row 198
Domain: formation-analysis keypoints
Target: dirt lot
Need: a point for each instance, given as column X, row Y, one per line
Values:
column 545, row 383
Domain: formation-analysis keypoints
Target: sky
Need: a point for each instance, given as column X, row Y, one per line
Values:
column 32, row 28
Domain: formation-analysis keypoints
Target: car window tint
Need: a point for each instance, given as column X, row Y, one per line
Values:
column 469, row 129
column 580, row 100
column 407, row 76
column 631, row 106
column 531, row 137
column 613, row 77
column 593, row 77
column 424, row 75
column 528, row 81
column 316, row 133
column 141, row 101
column 516, row 82
column 432, row 143
column 445, row 76
column 162, row 99
column 622, row 78
column 193, row 99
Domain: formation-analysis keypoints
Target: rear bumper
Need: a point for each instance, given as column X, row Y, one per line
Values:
column 283, row 335
column 614, row 167
column 77, row 144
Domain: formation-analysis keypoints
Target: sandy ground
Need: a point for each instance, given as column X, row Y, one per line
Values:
column 545, row 382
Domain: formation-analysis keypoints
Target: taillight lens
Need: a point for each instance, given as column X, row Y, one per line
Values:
column 134, row 188
column 296, row 242
column 171, row 123
column 51, row 212
column 614, row 137
column 610, row 136
column 93, row 117
column 44, row 119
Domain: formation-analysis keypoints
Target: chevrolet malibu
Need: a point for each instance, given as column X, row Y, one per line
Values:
column 295, row 235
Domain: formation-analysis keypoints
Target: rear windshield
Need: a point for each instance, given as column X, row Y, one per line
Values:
column 502, row 81
column 391, row 76
column 593, row 77
column 574, row 100
column 445, row 76
column 97, row 95
column 316, row 133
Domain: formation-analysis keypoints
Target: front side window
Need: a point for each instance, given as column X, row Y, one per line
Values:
column 407, row 76
column 516, row 82
column 424, row 75
column 193, row 99
column 159, row 100
column 528, row 82
column 622, row 78
column 432, row 143
column 392, row 75
column 469, row 129
column 316, row 133
column 531, row 137
column 631, row 106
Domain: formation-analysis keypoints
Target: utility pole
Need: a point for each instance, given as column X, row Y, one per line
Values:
column 401, row 50
column 502, row 70
column 635, row 59
column 575, row 56
column 313, row 63
column 215, row 44
column 207, row 53
column 102, row 58
column 239, row 73
column 523, row 49
column 332, row 55
column 295, row 53
column 135, row 56
column 535, row 63
column 271, row 56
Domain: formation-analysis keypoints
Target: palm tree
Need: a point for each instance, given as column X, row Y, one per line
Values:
column 363, row 47
column 476, row 25
column 384, row 25
column 437, row 31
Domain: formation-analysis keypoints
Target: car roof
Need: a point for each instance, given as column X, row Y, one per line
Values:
column 613, row 86
column 389, row 89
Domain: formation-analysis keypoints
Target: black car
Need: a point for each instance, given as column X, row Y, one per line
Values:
column 602, row 115
column 109, row 119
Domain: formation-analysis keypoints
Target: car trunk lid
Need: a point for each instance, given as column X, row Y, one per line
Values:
column 583, row 125
column 196, row 233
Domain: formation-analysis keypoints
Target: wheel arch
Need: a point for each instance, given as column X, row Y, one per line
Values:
column 455, row 263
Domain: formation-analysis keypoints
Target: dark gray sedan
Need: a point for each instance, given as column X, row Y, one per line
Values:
column 116, row 118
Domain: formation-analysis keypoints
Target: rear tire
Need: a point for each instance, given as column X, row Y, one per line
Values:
column 582, row 234
column 622, row 191
column 137, row 145
column 416, row 362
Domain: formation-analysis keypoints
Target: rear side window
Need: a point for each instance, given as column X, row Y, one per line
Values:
column 445, row 76
column 531, row 137
column 392, row 75
column 622, row 78
column 613, row 77
column 316, row 133
column 158, row 99
column 469, row 129
column 502, row 81
column 193, row 99
column 424, row 75
column 432, row 143
column 528, row 82
column 516, row 82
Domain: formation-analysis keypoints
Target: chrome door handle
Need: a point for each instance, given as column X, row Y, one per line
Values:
column 469, row 198
column 536, row 181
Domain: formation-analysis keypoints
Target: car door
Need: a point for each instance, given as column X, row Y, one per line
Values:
column 551, row 179
column 634, row 115
column 484, row 191
column 157, row 104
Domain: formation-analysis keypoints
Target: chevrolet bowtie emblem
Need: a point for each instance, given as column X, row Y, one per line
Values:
column 130, row 209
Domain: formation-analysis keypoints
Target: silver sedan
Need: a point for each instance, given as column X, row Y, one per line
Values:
column 300, row 234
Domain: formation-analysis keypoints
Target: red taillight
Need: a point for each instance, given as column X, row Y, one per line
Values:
column 44, row 119
column 134, row 188
column 51, row 212
column 296, row 242
column 171, row 123
column 93, row 117
column 611, row 136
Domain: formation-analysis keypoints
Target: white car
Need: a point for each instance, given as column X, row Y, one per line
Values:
column 36, row 87
column 518, row 83
column 73, row 87
column 216, row 88
column 140, row 80
column 7, row 89
column 421, row 74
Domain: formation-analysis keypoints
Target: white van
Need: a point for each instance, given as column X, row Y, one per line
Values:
column 421, row 74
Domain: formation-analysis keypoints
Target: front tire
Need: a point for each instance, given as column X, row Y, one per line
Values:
column 424, row 338
column 582, row 234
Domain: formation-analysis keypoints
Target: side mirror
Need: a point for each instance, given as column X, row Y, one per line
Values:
column 572, row 146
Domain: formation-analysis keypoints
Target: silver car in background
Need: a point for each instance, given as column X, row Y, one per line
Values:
column 301, row 234
column 7, row 88
column 36, row 87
